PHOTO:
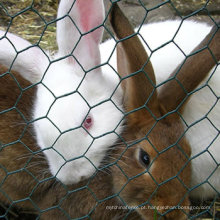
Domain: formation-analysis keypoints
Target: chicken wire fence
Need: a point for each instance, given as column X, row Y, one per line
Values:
column 18, row 203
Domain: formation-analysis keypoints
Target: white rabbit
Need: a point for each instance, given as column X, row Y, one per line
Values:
column 201, row 113
column 77, row 113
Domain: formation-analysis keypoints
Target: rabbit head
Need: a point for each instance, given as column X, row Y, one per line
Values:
column 77, row 111
column 153, row 171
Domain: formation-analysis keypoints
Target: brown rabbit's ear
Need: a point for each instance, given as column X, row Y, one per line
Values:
column 133, row 59
column 188, row 76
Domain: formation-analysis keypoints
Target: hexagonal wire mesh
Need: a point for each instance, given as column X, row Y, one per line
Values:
column 108, row 169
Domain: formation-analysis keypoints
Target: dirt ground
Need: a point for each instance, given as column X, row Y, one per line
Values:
column 162, row 10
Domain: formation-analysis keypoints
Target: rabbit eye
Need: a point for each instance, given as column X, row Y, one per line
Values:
column 87, row 124
column 144, row 158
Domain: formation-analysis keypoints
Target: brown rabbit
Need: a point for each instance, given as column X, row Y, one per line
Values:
column 160, row 155
column 160, row 175
column 160, row 152
column 152, row 171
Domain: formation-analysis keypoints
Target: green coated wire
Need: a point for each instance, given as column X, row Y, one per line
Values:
column 22, row 90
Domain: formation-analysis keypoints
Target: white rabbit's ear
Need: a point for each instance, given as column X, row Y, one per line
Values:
column 19, row 55
column 77, row 17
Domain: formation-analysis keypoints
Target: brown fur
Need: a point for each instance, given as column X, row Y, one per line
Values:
column 17, row 140
column 207, row 57
column 142, row 68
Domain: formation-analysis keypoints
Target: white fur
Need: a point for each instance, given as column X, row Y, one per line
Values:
column 66, row 96
column 61, row 132
column 20, row 55
column 68, row 93
column 164, row 61
column 203, row 109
